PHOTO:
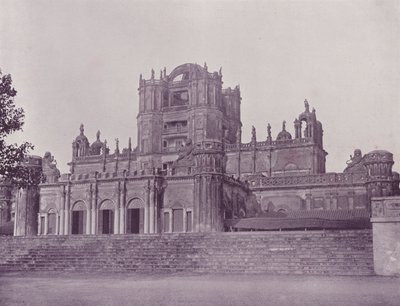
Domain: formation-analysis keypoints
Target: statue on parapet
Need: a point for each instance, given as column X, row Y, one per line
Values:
column 49, row 165
column 307, row 106
column 253, row 134
column 355, row 164
column 185, row 153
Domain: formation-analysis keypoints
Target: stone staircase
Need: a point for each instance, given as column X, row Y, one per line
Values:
column 341, row 252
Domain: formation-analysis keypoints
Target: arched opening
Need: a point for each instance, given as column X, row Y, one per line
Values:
column 51, row 222
column 304, row 129
column 78, row 218
column 106, row 218
column 177, row 220
column 135, row 217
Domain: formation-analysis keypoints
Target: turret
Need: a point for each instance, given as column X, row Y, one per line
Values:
column 27, row 204
column 313, row 128
column 209, row 164
column 153, row 94
column 380, row 177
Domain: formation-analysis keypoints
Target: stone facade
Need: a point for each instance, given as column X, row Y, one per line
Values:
column 190, row 170
column 386, row 232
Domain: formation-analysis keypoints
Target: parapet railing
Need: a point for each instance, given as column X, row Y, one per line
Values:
column 308, row 180
column 266, row 144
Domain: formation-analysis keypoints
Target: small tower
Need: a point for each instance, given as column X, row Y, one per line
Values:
column 5, row 202
column 152, row 96
column 380, row 177
column 208, row 191
column 27, row 204
column 311, row 135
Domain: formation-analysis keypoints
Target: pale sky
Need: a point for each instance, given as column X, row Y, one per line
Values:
column 79, row 61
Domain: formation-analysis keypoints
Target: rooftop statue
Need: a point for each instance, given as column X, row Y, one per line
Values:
column 185, row 153
column 355, row 164
column 307, row 106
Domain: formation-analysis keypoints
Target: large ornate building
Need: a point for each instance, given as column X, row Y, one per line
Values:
column 190, row 170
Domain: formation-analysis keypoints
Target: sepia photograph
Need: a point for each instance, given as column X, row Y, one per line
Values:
column 227, row 152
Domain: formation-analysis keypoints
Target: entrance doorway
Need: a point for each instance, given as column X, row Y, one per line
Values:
column 52, row 230
column 135, row 217
column 177, row 220
column 78, row 222
column 78, row 219
column 106, row 221
column 106, row 218
column 135, row 221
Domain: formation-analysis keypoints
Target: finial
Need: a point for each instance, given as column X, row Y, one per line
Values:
column 161, row 74
column 130, row 144
column 220, row 71
column 284, row 125
column 269, row 130
column 117, row 144
column 152, row 73
column 205, row 66
column 307, row 106
column 313, row 110
column 165, row 72
column 98, row 135
column 140, row 78
column 105, row 147
column 81, row 128
column 253, row 133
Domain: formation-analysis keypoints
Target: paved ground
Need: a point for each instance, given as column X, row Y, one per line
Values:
column 135, row 289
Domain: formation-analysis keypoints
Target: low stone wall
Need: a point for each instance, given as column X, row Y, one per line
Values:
column 313, row 252
column 386, row 235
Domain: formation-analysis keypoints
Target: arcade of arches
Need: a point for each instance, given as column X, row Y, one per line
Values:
column 109, row 220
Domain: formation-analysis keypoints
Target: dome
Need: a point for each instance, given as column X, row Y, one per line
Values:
column 379, row 156
column 96, row 146
column 284, row 135
column 81, row 138
column 191, row 71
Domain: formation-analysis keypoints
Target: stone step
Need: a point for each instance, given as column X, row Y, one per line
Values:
column 319, row 252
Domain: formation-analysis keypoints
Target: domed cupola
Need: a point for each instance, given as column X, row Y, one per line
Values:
column 81, row 144
column 96, row 146
column 284, row 135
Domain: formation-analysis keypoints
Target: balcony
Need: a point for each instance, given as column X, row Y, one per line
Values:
column 175, row 130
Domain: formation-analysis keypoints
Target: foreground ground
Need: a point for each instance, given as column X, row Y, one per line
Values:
column 183, row 289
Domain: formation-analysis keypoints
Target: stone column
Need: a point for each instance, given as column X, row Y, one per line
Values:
column 39, row 224
column 184, row 220
column 308, row 201
column 57, row 224
column 94, row 208
column 88, row 223
column 386, row 232
column 67, row 210
column 62, row 212
column 122, row 207
column 146, row 208
column 351, row 199
column 152, row 210
column 46, row 223
column 334, row 201
column 117, row 209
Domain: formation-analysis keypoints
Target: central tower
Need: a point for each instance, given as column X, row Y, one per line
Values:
column 188, row 104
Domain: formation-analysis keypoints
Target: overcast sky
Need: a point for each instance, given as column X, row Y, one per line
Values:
column 79, row 61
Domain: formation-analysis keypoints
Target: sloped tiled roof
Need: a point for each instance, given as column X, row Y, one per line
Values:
column 312, row 219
